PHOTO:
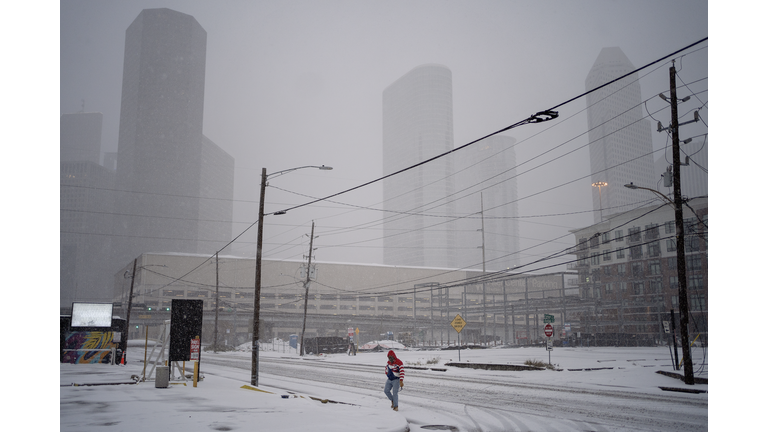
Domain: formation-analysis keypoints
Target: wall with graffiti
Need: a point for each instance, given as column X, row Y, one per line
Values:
column 85, row 342
column 82, row 345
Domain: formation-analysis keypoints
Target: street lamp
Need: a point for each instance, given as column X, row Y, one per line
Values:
column 682, row 277
column 666, row 198
column 257, row 283
column 600, row 185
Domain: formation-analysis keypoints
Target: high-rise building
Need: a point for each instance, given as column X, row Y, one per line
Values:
column 85, row 202
column 488, row 174
column 621, row 147
column 80, row 138
column 174, row 184
column 418, row 125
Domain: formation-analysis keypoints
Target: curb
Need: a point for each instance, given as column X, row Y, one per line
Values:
column 683, row 390
column 682, row 378
column 488, row 366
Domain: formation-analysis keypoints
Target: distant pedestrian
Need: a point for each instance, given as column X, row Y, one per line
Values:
column 395, row 374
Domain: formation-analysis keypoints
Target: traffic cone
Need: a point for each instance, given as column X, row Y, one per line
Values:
column 122, row 361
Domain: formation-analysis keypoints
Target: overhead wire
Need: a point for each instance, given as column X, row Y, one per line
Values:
column 487, row 187
column 495, row 277
column 453, row 218
column 521, row 198
column 541, row 116
column 490, row 275
column 494, row 134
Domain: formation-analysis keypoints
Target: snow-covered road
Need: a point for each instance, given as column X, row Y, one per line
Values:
column 473, row 400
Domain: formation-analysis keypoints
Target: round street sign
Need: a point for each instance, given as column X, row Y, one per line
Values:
column 548, row 330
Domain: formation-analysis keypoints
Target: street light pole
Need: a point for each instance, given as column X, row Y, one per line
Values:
column 666, row 198
column 600, row 185
column 257, row 282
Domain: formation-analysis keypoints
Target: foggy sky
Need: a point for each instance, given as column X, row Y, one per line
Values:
column 300, row 83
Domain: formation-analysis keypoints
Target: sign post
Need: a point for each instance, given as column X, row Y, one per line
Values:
column 194, row 355
column 458, row 324
column 549, row 331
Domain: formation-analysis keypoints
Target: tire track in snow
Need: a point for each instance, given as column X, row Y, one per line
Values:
column 569, row 408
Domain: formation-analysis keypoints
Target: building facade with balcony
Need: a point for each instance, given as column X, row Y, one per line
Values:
column 627, row 271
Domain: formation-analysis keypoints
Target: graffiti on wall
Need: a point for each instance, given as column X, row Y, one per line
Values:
column 83, row 345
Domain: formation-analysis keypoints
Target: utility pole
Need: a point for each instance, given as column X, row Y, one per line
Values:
column 130, row 303
column 682, row 280
column 482, row 229
column 257, row 285
column 306, row 288
column 216, row 314
column 506, row 323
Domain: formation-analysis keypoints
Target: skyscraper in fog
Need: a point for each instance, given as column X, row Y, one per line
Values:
column 80, row 137
column 488, row 168
column 175, row 185
column 417, row 125
column 621, row 147
column 85, row 201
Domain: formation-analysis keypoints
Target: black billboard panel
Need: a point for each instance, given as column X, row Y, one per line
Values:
column 186, row 324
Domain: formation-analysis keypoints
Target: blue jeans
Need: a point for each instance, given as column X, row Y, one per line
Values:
column 392, row 385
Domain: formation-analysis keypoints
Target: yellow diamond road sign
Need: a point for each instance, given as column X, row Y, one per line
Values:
column 458, row 323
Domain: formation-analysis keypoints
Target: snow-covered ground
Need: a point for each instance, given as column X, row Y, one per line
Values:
column 224, row 401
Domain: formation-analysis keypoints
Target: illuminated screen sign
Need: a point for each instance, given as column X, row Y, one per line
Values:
column 91, row 315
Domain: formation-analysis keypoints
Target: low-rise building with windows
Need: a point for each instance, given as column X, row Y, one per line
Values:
column 627, row 269
column 499, row 307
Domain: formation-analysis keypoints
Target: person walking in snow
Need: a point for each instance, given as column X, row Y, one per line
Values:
column 395, row 373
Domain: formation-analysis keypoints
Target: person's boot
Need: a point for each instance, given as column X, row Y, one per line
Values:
column 392, row 405
column 395, row 408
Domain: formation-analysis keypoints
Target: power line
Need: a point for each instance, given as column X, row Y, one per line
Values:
column 629, row 74
column 536, row 118
column 411, row 213
column 153, row 193
column 491, row 276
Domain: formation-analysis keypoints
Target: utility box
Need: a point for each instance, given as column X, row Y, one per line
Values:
column 162, row 376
